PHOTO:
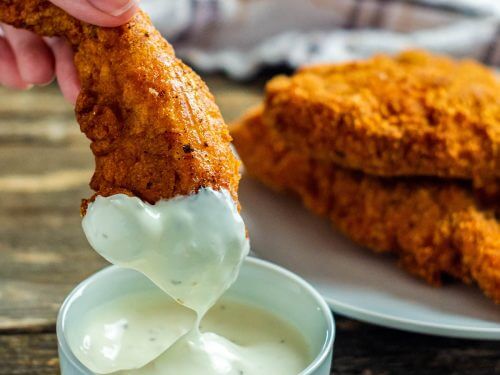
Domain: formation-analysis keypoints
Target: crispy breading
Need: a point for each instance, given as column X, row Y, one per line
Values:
column 413, row 114
column 156, row 131
column 435, row 228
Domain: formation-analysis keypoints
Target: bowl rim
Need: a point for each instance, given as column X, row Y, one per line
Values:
column 326, row 313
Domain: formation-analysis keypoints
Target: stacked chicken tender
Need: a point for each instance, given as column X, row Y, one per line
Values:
column 401, row 153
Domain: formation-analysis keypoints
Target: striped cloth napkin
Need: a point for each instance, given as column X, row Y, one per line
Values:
column 240, row 37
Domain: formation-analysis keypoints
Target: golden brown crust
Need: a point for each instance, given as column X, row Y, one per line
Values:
column 414, row 114
column 156, row 131
column 435, row 228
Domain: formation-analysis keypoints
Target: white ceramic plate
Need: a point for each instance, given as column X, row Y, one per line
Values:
column 355, row 282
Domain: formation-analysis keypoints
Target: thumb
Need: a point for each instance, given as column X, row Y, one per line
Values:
column 107, row 13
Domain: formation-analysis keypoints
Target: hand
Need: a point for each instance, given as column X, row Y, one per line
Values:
column 27, row 59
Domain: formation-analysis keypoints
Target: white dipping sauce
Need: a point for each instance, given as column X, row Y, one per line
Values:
column 192, row 248
column 235, row 338
column 129, row 332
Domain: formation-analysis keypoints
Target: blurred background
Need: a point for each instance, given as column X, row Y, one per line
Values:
column 241, row 37
column 45, row 162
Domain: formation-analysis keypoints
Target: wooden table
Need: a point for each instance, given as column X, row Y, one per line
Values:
column 45, row 166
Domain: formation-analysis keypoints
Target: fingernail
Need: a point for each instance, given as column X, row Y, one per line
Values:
column 114, row 7
column 48, row 83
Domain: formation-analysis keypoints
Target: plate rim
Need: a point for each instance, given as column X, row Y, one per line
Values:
column 411, row 325
column 395, row 322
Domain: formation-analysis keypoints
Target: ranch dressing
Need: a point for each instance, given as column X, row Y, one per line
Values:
column 234, row 338
column 117, row 336
column 191, row 247
column 237, row 339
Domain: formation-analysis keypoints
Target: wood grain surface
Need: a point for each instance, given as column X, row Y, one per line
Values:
column 45, row 166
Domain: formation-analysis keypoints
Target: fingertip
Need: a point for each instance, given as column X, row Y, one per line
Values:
column 122, row 19
column 120, row 11
column 42, row 75
column 67, row 76
column 69, row 91
column 9, row 72
column 34, row 58
column 42, row 79
column 98, row 12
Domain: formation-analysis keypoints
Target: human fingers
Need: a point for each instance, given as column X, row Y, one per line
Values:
column 66, row 73
column 107, row 13
column 34, row 59
column 9, row 73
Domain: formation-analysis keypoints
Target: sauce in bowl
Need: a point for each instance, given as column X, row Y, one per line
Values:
column 192, row 248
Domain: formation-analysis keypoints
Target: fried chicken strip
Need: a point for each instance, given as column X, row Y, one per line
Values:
column 156, row 131
column 436, row 229
column 414, row 114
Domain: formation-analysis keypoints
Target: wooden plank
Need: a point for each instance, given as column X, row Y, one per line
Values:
column 44, row 252
column 37, row 160
column 44, row 255
column 370, row 350
column 29, row 354
column 45, row 166
column 40, row 129
column 38, row 100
